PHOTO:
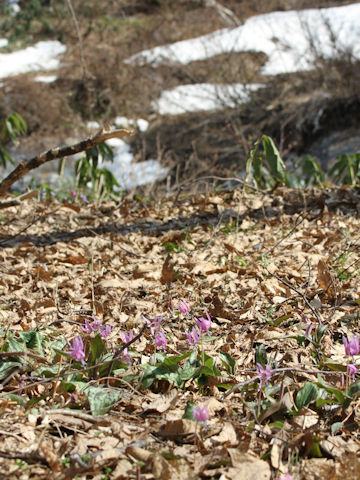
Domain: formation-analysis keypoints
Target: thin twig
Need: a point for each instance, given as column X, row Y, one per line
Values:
column 298, row 292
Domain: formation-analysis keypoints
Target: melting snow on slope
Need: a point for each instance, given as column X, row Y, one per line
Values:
column 202, row 96
column 285, row 37
column 41, row 57
column 130, row 175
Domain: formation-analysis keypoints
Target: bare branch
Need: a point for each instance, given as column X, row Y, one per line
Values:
column 60, row 152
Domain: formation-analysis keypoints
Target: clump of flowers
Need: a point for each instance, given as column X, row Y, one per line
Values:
column 97, row 326
column 156, row 331
column 203, row 324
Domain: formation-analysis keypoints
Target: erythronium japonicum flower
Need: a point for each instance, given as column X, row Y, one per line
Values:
column 73, row 193
column 352, row 371
column 160, row 340
column 127, row 337
column 204, row 324
column 287, row 477
column 183, row 307
column 193, row 337
column 96, row 325
column 125, row 356
column 77, row 349
column 352, row 346
column 265, row 374
column 154, row 325
column 201, row 414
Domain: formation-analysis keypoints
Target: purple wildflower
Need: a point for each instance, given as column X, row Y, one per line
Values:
column 352, row 371
column 88, row 328
column 352, row 346
column 201, row 414
column 183, row 307
column 193, row 337
column 73, row 193
column 265, row 374
column 160, row 340
column 105, row 331
column 84, row 198
column 125, row 356
column 204, row 324
column 77, row 349
column 96, row 325
column 127, row 337
column 154, row 325
column 287, row 477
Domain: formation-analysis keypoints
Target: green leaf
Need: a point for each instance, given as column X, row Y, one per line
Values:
column 354, row 389
column 340, row 397
column 97, row 348
column 261, row 356
column 228, row 361
column 101, row 400
column 33, row 340
column 276, row 164
column 16, row 398
column 306, row 395
column 189, row 411
column 7, row 367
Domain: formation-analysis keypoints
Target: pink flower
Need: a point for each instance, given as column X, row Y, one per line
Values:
column 105, row 331
column 352, row 346
column 183, row 307
column 265, row 374
column 77, row 349
column 287, row 477
column 160, row 340
column 201, row 414
column 154, row 325
column 96, row 325
column 193, row 337
column 73, row 193
column 125, row 356
column 203, row 323
column 88, row 328
column 309, row 329
column 127, row 337
column 352, row 371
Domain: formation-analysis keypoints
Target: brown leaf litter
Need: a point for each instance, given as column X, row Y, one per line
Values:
column 261, row 265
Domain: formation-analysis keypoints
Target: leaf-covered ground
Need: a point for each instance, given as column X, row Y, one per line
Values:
column 277, row 273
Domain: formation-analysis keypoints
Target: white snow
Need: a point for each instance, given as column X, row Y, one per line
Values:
column 93, row 124
column 142, row 124
column 45, row 78
column 3, row 42
column 291, row 40
column 130, row 175
column 287, row 38
column 202, row 96
column 40, row 57
column 124, row 122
